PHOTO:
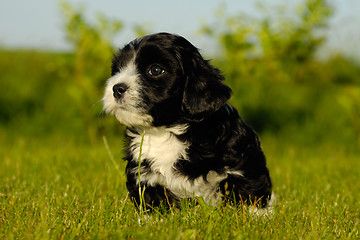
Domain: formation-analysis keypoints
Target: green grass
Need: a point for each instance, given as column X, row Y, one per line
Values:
column 59, row 180
column 57, row 184
column 62, row 188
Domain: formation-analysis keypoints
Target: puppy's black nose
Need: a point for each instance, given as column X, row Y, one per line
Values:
column 119, row 89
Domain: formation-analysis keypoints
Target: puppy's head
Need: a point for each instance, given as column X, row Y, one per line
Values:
column 162, row 80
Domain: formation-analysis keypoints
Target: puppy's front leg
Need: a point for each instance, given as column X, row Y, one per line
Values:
column 153, row 197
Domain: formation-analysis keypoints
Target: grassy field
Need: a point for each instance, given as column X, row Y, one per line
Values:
column 60, row 180
column 61, row 188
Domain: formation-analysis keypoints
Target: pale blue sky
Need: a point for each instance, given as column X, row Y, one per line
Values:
column 38, row 23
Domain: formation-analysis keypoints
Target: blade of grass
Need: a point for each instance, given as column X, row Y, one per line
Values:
column 142, row 203
column 110, row 153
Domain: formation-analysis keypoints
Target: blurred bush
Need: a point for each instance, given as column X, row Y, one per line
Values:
column 59, row 92
column 279, row 85
column 34, row 98
column 92, row 45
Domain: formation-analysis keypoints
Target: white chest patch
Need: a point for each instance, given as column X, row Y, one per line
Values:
column 163, row 149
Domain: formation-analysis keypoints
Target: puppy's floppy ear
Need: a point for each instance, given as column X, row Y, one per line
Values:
column 204, row 92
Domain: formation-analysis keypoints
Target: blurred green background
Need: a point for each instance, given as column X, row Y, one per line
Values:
column 61, row 168
column 281, row 86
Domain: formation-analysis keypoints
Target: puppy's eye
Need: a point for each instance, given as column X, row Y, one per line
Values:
column 156, row 70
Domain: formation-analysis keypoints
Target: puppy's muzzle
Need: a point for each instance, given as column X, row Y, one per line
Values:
column 119, row 90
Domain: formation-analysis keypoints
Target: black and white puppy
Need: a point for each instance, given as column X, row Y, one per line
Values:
column 194, row 144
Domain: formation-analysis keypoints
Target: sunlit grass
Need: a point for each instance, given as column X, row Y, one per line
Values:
column 55, row 183
column 58, row 188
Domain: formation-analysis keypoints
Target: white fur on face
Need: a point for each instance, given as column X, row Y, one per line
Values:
column 128, row 109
